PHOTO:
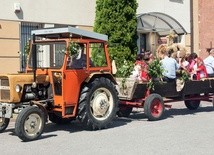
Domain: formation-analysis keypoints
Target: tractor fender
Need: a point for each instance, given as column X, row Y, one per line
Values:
column 99, row 74
column 42, row 107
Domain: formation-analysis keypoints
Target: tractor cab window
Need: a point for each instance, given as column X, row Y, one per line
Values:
column 97, row 55
column 50, row 55
column 77, row 56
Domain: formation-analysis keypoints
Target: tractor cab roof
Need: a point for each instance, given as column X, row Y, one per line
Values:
column 68, row 32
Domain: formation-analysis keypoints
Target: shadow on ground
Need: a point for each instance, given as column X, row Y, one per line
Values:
column 171, row 113
column 136, row 115
column 72, row 127
column 184, row 111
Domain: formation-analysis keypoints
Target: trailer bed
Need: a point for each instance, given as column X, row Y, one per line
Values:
column 131, row 89
column 133, row 93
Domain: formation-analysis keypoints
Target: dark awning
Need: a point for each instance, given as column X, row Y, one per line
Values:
column 160, row 23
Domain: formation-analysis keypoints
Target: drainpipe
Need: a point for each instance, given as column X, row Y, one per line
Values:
column 191, row 26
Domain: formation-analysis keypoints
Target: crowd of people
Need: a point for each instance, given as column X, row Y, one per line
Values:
column 192, row 64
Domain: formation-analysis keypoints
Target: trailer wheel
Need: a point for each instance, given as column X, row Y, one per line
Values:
column 98, row 103
column 3, row 123
column 192, row 104
column 54, row 118
column 124, row 111
column 30, row 123
column 154, row 107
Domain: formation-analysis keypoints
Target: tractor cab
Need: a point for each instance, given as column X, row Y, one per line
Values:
column 67, row 57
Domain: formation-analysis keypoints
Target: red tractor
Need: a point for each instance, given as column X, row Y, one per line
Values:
column 68, row 76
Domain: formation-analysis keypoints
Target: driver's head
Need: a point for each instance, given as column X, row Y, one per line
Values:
column 82, row 46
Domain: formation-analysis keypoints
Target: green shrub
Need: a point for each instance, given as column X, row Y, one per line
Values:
column 117, row 19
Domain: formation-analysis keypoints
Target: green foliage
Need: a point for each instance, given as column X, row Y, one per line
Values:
column 117, row 19
column 155, row 72
column 98, row 57
column 27, row 49
column 155, row 69
column 73, row 48
column 26, row 53
column 126, row 67
column 124, row 60
column 183, row 75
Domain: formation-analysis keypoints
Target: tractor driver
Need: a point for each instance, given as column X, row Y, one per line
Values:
column 78, row 61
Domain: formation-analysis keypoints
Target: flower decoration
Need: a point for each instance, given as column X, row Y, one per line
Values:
column 73, row 48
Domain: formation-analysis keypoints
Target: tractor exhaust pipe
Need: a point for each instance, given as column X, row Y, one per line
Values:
column 34, row 58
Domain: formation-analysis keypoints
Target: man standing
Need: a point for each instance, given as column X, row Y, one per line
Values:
column 209, row 63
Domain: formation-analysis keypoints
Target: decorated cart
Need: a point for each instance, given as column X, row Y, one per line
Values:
column 133, row 93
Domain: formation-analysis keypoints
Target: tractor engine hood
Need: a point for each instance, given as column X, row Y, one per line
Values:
column 8, row 83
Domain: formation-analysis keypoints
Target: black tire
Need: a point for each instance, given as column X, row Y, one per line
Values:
column 3, row 124
column 192, row 104
column 54, row 118
column 30, row 123
column 124, row 111
column 98, row 104
column 154, row 107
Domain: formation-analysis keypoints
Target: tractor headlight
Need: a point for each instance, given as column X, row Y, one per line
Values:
column 18, row 88
column 34, row 85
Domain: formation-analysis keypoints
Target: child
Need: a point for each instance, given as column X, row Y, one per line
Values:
column 197, row 67
column 140, row 69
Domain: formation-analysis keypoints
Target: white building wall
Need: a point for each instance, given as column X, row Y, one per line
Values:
column 71, row 12
column 178, row 9
column 82, row 12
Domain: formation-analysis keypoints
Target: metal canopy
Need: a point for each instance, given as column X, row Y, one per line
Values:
column 160, row 23
column 68, row 32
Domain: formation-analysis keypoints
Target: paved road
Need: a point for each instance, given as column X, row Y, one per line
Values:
column 180, row 132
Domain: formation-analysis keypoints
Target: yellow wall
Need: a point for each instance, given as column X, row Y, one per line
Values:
column 188, row 42
column 87, row 28
column 9, row 47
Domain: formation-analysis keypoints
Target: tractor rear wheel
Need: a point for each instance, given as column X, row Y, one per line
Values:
column 30, row 123
column 192, row 104
column 98, row 103
column 3, row 123
column 154, row 107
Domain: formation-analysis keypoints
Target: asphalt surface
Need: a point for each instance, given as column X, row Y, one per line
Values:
column 181, row 131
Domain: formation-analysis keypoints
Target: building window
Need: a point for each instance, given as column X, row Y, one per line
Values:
column 142, row 42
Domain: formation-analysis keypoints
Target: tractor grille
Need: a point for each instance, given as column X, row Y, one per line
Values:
column 4, row 89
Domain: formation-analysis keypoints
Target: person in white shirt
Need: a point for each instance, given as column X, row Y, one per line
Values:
column 209, row 63
column 170, row 66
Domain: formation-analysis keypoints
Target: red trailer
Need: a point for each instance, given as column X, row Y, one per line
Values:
column 133, row 93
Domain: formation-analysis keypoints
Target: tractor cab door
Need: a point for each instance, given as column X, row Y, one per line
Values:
column 90, row 57
column 74, row 75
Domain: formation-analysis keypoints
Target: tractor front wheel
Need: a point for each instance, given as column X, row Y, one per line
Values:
column 30, row 123
column 3, row 123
